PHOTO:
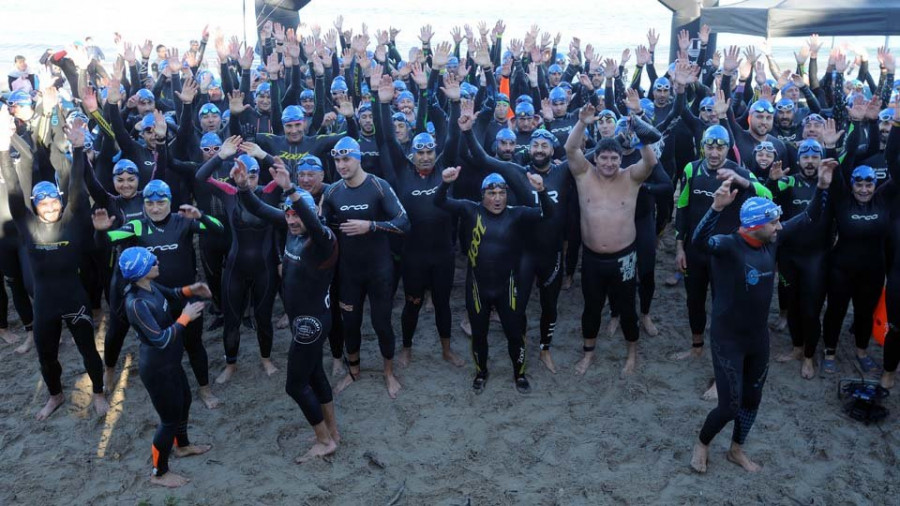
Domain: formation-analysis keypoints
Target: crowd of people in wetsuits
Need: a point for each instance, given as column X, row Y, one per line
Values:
column 324, row 169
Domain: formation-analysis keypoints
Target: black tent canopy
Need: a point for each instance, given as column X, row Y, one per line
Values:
column 799, row 18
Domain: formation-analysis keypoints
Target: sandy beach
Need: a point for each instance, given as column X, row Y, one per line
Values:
column 592, row 440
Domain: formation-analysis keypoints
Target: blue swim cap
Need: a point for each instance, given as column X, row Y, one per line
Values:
column 210, row 139
column 307, row 95
column 886, row 114
column 105, row 92
column 648, row 107
column 707, row 103
column 465, row 93
column 493, row 180
column 757, row 211
column 606, row 113
column 305, row 197
column 524, row 98
column 364, row 107
column 399, row 116
column 505, row 134
column 208, row 108
column 399, row 85
column 309, row 162
column 789, row 85
column 44, row 190
column 292, row 114
column 557, row 95
column 471, row 88
column 502, row 97
column 339, row 85
column 762, row 106
column 263, row 89
column 429, row 127
column 145, row 94
column 716, row 134
column 554, row 69
column 20, row 98
column 405, row 95
column 524, row 110
column 148, row 121
column 662, row 83
column 566, row 85
column 346, row 147
column 422, row 141
column 250, row 163
column 543, row 133
column 785, row 104
column 216, row 83
column 157, row 190
column 364, row 89
column 136, row 262
column 810, row 147
column 453, row 62
column 125, row 165
column 863, row 173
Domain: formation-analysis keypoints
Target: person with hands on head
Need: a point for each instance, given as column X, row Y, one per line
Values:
column 743, row 266
column 496, row 240
column 310, row 257
column 365, row 212
column 607, row 197
column 162, row 346
column 55, row 247
column 169, row 236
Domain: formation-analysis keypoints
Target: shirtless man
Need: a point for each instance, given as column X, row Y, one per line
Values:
column 607, row 195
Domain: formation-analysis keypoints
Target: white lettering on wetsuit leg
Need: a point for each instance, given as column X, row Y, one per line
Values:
column 627, row 266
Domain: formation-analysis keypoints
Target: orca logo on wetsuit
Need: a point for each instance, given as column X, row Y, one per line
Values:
column 800, row 202
column 430, row 191
column 361, row 207
column 148, row 163
column 477, row 233
column 163, row 247
column 306, row 329
column 866, row 217
column 703, row 192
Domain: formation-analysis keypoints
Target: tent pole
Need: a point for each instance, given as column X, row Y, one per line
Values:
column 887, row 41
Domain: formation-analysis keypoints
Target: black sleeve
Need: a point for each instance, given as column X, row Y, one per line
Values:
column 254, row 205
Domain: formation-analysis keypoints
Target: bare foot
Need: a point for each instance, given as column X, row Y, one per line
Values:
column 691, row 353
column 567, row 282
column 495, row 317
column 210, row 400
column 405, row 357
column 613, row 326
column 337, row 367
column 790, row 356
column 711, row 394
column 887, row 379
column 282, row 322
column 429, row 305
column 781, row 324
column 226, row 374
column 190, row 450
column 582, row 365
column 453, row 358
column 648, row 325
column 101, row 406
column 466, row 326
column 268, row 366
column 700, row 457
column 630, row 362
column 673, row 279
column 393, row 385
column 9, row 337
column 109, row 379
column 808, row 370
column 26, row 345
column 54, row 402
column 737, row 456
column 318, row 450
column 547, row 360
column 345, row 382
column 169, row 480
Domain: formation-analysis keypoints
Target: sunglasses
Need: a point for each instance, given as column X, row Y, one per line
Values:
column 118, row 171
column 211, row 149
column 764, row 146
column 715, row 142
column 423, row 145
column 785, row 107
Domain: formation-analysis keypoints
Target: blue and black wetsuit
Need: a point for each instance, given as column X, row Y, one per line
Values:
column 365, row 264
column 307, row 270
column 494, row 255
column 162, row 345
column 54, row 252
column 743, row 280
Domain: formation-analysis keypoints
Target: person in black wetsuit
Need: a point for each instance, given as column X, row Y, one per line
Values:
column 743, row 266
column 700, row 179
column 857, row 262
column 55, row 244
column 170, row 236
column 162, row 346
column 802, row 256
column 427, row 259
column 251, row 266
column 310, row 256
column 494, row 252
column 365, row 210
column 542, row 256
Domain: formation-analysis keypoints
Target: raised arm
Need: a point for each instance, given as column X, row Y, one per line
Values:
column 578, row 164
